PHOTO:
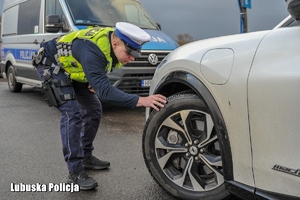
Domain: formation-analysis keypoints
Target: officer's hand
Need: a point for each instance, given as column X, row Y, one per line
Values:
column 155, row 101
column 91, row 89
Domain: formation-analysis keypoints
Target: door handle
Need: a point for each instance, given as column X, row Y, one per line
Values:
column 35, row 41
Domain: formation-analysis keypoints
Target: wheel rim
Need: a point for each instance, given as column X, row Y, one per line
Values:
column 188, row 151
column 11, row 80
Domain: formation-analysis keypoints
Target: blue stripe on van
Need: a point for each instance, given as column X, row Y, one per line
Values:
column 19, row 54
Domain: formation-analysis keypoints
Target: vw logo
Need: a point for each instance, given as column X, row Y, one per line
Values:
column 152, row 58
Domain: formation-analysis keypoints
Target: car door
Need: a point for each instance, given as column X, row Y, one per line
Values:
column 274, row 112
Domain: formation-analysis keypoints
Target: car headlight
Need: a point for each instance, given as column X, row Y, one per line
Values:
column 162, row 62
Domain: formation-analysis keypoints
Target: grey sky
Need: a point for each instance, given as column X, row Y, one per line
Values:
column 210, row 18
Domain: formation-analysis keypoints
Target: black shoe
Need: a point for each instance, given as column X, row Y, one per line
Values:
column 84, row 181
column 94, row 163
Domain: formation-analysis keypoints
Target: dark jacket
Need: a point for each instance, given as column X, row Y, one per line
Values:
column 94, row 62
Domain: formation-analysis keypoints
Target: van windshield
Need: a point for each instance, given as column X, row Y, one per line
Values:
column 109, row 12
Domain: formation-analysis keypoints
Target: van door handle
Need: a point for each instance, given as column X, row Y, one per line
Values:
column 35, row 41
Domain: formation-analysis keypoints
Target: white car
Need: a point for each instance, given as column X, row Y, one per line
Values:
column 232, row 121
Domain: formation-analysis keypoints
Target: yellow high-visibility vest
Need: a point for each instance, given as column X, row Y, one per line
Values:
column 97, row 35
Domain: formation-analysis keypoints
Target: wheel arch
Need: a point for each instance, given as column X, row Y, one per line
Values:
column 180, row 81
column 9, row 60
column 7, row 65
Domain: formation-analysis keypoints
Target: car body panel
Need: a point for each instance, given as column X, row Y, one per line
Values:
column 273, row 88
column 233, row 107
column 244, row 99
column 216, row 65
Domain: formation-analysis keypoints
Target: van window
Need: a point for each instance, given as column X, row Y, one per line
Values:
column 108, row 12
column 133, row 15
column 10, row 22
column 29, row 15
column 53, row 7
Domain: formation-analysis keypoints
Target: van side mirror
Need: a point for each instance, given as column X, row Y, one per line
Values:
column 159, row 26
column 53, row 23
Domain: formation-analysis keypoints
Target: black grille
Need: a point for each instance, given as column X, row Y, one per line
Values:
column 140, row 75
column 131, row 83
column 133, row 87
column 143, row 60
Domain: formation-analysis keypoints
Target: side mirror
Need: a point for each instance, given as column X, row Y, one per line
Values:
column 53, row 23
column 159, row 26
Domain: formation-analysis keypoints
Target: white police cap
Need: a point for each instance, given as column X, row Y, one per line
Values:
column 132, row 36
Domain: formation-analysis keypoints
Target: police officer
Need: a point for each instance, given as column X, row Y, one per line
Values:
column 73, row 70
column 293, row 7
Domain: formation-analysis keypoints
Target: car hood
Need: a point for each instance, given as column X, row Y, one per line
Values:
column 238, row 43
column 159, row 40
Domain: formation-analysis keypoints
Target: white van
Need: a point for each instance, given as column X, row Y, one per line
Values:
column 27, row 23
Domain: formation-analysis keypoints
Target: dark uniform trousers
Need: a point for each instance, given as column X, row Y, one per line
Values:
column 79, row 122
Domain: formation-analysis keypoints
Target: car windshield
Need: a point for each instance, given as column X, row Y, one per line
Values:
column 108, row 12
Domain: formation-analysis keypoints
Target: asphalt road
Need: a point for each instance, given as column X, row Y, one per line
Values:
column 30, row 149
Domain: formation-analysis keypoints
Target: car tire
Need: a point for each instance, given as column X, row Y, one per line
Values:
column 173, row 138
column 13, row 85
